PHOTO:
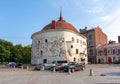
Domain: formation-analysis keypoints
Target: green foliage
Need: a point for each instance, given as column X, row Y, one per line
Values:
column 17, row 53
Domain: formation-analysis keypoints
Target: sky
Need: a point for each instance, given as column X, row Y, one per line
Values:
column 19, row 19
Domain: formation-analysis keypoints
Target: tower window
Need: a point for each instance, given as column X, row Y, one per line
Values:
column 46, row 40
column 71, row 46
column 38, row 42
column 74, row 59
column 41, row 52
column 77, row 40
column 81, row 41
column 76, row 51
column 72, row 38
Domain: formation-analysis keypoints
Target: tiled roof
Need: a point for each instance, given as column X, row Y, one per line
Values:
column 60, row 24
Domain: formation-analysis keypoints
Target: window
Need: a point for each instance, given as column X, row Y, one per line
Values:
column 46, row 40
column 72, row 38
column 41, row 52
column 90, row 37
column 113, row 51
column 44, row 60
column 118, row 51
column 71, row 46
column 74, row 59
column 84, row 52
column 84, row 43
column 38, row 42
column 77, row 40
column 81, row 41
column 90, row 43
column 108, row 52
column 76, row 51
column 91, row 51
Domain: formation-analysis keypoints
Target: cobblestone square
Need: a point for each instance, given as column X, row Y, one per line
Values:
column 19, row 76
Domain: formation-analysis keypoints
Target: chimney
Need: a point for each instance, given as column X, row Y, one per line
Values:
column 118, row 39
column 53, row 24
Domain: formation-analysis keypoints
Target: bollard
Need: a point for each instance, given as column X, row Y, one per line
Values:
column 91, row 72
column 69, row 71
column 54, row 69
column 13, row 66
column 21, row 67
column 27, row 67
column 43, row 68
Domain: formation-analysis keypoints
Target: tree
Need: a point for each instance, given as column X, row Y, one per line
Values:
column 7, row 47
column 4, row 54
column 26, row 54
column 17, row 53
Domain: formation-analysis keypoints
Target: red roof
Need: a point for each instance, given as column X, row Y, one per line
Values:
column 60, row 24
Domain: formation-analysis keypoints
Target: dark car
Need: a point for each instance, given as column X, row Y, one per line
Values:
column 117, row 62
column 39, row 67
column 74, row 67
column 14, row 64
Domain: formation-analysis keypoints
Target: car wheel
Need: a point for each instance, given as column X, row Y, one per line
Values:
column 82, row 68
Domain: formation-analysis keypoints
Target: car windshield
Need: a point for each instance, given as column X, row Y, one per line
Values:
column 72, row 63
column 59, row 62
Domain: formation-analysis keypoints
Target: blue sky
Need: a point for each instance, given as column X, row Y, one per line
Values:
column 19, row 19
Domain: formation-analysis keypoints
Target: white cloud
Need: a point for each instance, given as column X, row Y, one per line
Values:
column 105, row 18
column 112, row 24
column 96, row 10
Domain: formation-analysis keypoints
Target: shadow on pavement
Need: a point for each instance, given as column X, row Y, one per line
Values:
column 107, row 83
column 113, row 74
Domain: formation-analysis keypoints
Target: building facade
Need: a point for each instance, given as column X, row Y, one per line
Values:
column 109, row 53
column 95, row 37
column 58, row 40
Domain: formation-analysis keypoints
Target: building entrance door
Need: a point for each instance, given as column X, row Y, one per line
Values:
column 109, row 60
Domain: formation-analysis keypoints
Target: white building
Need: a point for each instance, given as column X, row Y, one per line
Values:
column 58, row 40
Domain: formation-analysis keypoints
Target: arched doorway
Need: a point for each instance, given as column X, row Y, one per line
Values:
column 99, row 61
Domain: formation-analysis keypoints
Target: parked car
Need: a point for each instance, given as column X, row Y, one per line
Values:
column 39, row 67
column 116, row 62
column 46, row 66
column 57, row 67
column 73, row 66
column 59, row 64
column 14, row 64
